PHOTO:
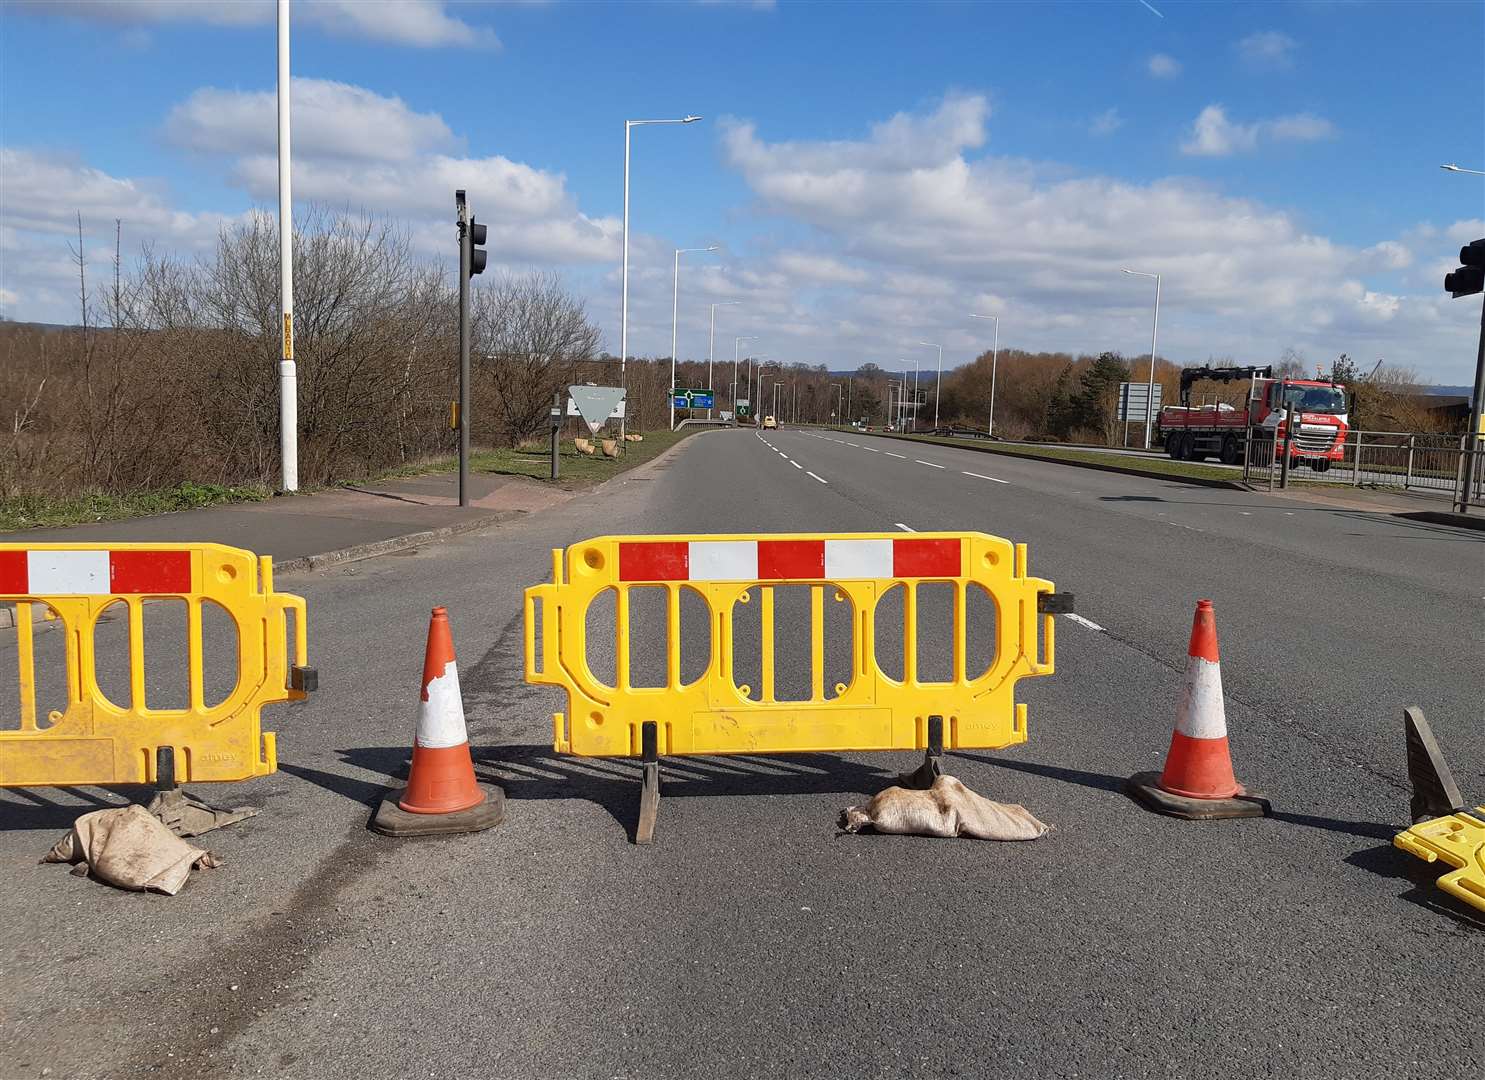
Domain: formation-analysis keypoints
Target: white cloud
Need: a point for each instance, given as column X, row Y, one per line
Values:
column 931, row 232
column 417, row 23
column 330, row 119
column 355, row 147
column 1268, row 48
column 1161, row 66
column 1214, row 135
column 820, row 269
column 1106, row 122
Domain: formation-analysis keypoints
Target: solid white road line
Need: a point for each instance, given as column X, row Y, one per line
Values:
column 1089, row 623
column 900, row 457
column 905, row 528
column 819, row 478
column 930, row 464
column 982, row 476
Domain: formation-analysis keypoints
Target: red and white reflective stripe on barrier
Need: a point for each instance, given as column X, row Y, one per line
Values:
column 777, row 560
column 94, row 573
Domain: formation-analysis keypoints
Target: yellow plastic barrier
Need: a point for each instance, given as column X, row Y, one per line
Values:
column 1459, row 840
column 713, row 714
column 95, row 741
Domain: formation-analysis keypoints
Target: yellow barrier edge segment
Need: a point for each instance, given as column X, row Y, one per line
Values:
column 910, row 633
column 528, row 636
column 817, row 643
column 672, row 635
column 25, row 664
column 135, row 607
column 765, row 632
column 621, row 639
column 195, row 647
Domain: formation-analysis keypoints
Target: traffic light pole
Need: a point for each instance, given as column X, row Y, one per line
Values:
column 463, row 210
column 1472, row 440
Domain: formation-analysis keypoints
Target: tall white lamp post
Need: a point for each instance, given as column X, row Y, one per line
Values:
column 994, row 363
column 1154, row 333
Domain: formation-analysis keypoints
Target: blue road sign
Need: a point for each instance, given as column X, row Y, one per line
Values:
column 693, row 399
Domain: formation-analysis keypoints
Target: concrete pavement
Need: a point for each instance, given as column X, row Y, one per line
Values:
column 752, row 940
column 346, row 521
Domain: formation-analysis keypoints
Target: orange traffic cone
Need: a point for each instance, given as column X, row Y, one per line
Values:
column 1198, row 780
column 442, row 795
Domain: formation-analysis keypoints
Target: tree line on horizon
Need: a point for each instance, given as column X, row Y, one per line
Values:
column 171, row 374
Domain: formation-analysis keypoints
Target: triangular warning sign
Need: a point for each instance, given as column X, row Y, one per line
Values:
column 596, row 403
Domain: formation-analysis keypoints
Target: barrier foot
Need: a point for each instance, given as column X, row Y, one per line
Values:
column 1435, row 794
column 1144, row 788
column 165, row 768
column 649, row 792
column 922, row 778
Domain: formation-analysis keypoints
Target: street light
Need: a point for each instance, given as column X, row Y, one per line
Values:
column 288, row 373
column 1455, row 168
column 839, row 414
column 939, row 384
column 905, row 360
column 624, row 303
column 1154, row 332
column 756, row 369
column 711, row 342
column 675, row 296
column 735, row 343
column 994, row 363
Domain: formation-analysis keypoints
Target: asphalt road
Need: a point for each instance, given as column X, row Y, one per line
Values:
column 754, row 940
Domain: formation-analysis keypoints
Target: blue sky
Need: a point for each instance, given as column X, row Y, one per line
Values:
column 873, row 172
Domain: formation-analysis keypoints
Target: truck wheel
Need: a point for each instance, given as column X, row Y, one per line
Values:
column 1173, row 444
column 1183, row 449
column 1230, row 452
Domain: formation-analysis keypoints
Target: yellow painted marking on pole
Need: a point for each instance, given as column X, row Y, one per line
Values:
column 288, row 335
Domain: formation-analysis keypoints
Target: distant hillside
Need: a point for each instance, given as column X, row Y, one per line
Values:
column 1447, row 391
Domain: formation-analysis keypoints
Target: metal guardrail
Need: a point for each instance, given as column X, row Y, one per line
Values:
column 1408, row 461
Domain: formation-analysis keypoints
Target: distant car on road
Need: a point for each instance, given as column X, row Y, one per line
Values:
column 770, row 422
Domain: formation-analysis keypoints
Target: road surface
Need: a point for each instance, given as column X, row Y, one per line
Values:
column 754, row 940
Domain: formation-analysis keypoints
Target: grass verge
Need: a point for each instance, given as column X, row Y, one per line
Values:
column 34, row 511
column 576, row 470
column 535, row 462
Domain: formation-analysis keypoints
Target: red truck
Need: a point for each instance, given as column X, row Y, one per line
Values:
column 1193, row 433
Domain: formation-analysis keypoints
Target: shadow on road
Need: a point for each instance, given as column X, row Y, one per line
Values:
column 27, row 809
column 537, row 772
column 1388, row 862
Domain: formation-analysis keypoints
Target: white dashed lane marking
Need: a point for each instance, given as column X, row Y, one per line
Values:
column 982, row 476
column 905, row 528
column 819, row 478
column 930, row 464
column 1089, row 623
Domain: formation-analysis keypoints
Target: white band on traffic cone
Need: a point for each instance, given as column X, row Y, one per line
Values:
column 441, row 711
column 1200, row 714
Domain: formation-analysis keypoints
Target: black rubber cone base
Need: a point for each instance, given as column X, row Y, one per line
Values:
column 1144, row 788
column 392, row 820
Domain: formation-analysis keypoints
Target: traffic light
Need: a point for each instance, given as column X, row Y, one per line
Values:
column 1469, row 278
column 472, row 236
column 477, row 253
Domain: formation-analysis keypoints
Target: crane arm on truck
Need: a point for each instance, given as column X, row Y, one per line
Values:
column 1219, row 374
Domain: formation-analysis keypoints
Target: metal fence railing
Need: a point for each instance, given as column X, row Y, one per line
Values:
column 1409, row 461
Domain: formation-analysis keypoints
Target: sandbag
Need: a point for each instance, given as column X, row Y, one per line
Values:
column 129, row 847
column 948, row 808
